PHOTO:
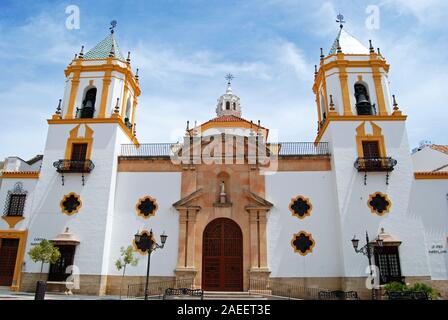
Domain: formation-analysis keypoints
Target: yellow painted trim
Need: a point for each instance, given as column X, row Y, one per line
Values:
column 156, row 207
column 442, row 175
column 65, row 198
column 343, row 79
column 355, row 64
column 379, row 92
column 373, row 209
column 143, row 253
column 12, row 220
column 307, row 200
column 105, row 93
column 73, row 138
column 310, row 237
column 73, row 93
column 22, row 236
column 376, row 136
column 20, row 175
column 118, row 121
column 332, row 117
column 134, row 108
column 108, row 66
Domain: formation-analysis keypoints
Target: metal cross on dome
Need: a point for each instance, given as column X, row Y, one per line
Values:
column 113, row 24
column 340, row 20
column 229, row 78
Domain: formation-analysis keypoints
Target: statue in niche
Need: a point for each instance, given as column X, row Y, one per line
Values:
column 222, row 194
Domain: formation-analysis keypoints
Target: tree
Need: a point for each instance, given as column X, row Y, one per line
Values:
column 127, row 257
column 44, row 252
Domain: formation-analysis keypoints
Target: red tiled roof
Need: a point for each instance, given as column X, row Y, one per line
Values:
column 230, row 118
column 440, row 148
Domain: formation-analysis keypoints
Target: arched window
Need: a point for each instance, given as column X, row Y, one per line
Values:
column 88, row 104
column 227, row 105
column 234, row 106
column 363, row 105
column 322, row 107
column 127, row 119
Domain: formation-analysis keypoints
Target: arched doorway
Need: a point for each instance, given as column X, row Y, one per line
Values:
column 222, row 256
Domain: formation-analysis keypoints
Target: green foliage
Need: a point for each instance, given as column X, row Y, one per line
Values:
column 44, row 252
column 398, row 286
column 127, row 257
column 395, row 286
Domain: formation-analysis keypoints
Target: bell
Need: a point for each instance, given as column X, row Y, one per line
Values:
column 362, row 99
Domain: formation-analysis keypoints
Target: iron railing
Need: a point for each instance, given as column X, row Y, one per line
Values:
column 375, row 164
column 157, row 289
column 284, row 288
column 73, row 166
column 147, row 150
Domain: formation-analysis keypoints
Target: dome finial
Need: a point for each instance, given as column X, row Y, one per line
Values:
column 340, row 20
column 229, row 78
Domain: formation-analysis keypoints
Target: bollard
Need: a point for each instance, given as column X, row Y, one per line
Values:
column 41, row 287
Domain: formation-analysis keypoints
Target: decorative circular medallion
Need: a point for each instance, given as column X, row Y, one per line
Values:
column 145, row 234
column 303, row 243
column 300, row 207
column 379, row 203
column 146, row 207
column 71, row 203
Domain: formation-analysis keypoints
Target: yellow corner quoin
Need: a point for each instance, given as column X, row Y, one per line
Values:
column 305, row 234
column 134, row 245
column 139, row 202
column 118, row 121
column 20, row 175
column 12, row 220
column 436, row 175
column 22, row 236
column 61, row 204
column 375, row 211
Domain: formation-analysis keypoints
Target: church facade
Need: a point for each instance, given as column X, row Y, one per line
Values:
column 238, row 208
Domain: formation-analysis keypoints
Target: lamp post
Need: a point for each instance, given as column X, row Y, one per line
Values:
column 367, row 250
column 146, row 242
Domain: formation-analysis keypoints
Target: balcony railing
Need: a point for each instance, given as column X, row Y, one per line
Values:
column 73, row 166
column 377, row 164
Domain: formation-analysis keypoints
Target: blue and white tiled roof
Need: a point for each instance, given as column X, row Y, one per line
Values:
column 102, row 49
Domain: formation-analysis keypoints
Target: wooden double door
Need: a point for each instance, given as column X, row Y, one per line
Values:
column 222, row 256
column 8, row 257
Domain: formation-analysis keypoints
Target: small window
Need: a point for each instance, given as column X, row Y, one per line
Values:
column 227, row 105
column 388, row 261
column 79, row 152
column 16, row 205
column 371, row 149
column 234, row 106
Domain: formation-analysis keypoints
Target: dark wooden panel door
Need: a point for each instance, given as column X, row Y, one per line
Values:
column 222, row 256
column 8, row 256
column 58, row 269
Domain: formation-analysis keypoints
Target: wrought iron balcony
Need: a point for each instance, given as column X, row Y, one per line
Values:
column 73, row 166
column 377, row 164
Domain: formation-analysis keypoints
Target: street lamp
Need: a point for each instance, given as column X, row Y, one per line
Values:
column 367, row 250
column 145, row 242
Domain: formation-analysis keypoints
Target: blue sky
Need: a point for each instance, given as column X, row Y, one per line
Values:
column 185, row 48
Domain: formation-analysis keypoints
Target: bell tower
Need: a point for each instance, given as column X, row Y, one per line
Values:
column 366, row 134
column 228, row 103
column 76, row 188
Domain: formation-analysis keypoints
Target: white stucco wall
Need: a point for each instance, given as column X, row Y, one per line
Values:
column 323, row 224
column 165, row 188
column 429, row 159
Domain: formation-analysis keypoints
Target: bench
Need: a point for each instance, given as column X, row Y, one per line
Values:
column 194, row 293
column 407, row 295
column 338, row 295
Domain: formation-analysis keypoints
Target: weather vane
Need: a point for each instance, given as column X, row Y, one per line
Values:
column 229, row 78
column 340, row 20
column 113, row 24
